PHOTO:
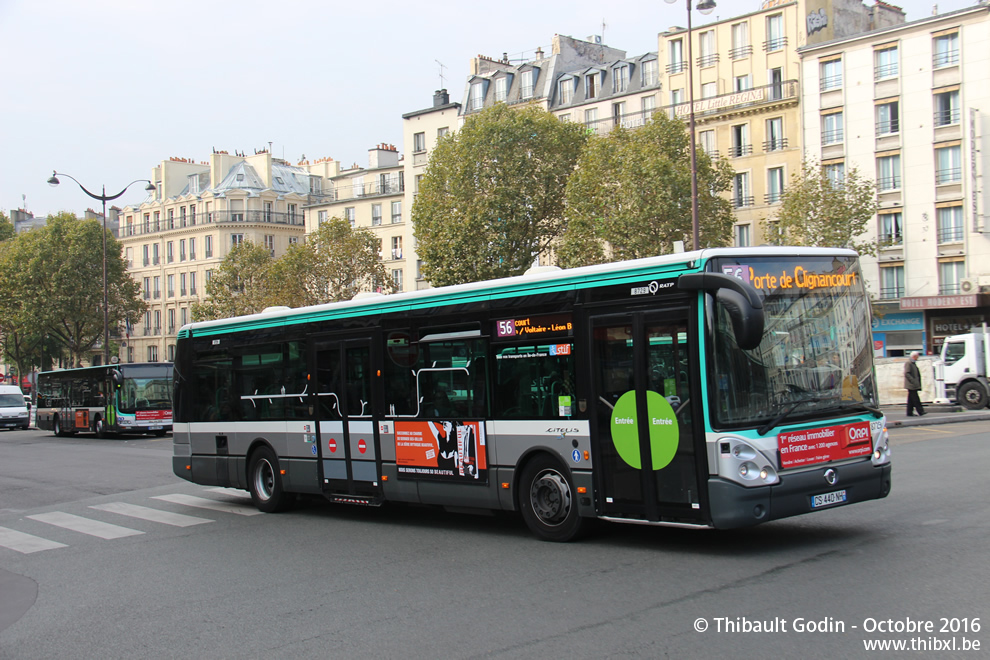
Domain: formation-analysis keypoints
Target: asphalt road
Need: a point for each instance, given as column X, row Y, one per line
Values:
column 339, row 582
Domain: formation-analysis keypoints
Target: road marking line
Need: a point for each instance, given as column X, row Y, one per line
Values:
column 26, row 543
column 154, row 515
column 212, row 505
column 233, row 492
column 85, row 525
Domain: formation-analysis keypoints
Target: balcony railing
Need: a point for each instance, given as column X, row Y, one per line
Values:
column 834, row 136
column 773, row 197
column 888, row 126
column 218, row 217
column 891, row 239
column 677, row 67
column 945, row 58
column 830, row 82
column 949, row 289
column 948, row 175
column 775, row 145
column 882, row 71
column 740, row 53
column 739, row 150
column 891, row 292
column 771, row 45
column 739, row 201
column 885, row 183
column 946, row 117
column 374, row 189
column 950, row 234
column 707, row 60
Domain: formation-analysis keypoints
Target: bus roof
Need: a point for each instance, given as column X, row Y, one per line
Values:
column 539, row 282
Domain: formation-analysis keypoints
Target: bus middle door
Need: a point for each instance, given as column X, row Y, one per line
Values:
column 348, row 451
column 646, row 445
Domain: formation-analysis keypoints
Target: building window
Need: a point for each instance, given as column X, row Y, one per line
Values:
column 888, row 118
column 526, row 80
column 676, row 97
column 620, row 78
column 396, row 247
column 396, row 212
column 565, row 91
column 946, row 50
column 501, row 88
column 831, row 75
column 182, row 250
column 889, row 172
column 740, row 141
column 709, row 89
column 775, row 185
column 171, row 321
column 675, row 56
column 477, row 96
column 591, row 86
column 742, row 83
column 397, row 278
column 832, row 128
column 891, row 282
column 706, row 140
column 775, row 135
column 270, row 243
column 885, row 63
column 741, row 191
column 775, row 33
column 236, row 239
column 648, row 104
column 947, row 108
column 170, row 220
column 350, row 215
column 649, row 73
column 376, row 215
column 950, row 275
column 321, row 217
column 591, row 118
column 147, row 288
column 169, row 252
column 182, row 284
column 152, row 354
column 742, row 236
column 891, row 232
column 419, row 142
column 948, row 165
column 441, row 132
column 156, row 292
column 740, row 41
column 146, row 260
column 706, row 45
column 835, row 173
column 950, row 224
column 209, row 247
column 192, row 284
column 192, row 249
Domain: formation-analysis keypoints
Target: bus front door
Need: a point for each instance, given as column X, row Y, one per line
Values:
column 646, row 450
column 345, row 428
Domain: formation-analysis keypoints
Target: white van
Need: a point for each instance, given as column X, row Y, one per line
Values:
column 13, row 411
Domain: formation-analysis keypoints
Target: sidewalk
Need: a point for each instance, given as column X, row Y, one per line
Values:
column 934, row 414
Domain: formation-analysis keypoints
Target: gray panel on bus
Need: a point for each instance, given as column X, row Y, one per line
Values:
column 364, row 471
column 334, row 469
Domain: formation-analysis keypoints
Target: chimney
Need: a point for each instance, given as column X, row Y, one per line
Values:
column 440, row 97
column 539, row 52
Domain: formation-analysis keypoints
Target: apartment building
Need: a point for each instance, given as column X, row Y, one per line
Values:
column 747, row 91
column 176, row 238
column 908, row 106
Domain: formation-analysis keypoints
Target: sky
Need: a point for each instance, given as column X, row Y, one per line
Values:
column 104, row 90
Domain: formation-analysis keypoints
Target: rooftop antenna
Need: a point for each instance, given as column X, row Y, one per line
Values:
column 442, row 67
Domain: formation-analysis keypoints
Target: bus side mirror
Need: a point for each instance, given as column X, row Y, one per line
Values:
column 739, row 299
column 117, row 377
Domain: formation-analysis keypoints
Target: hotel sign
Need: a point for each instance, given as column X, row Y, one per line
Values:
column 939, row 302
column 723, row 101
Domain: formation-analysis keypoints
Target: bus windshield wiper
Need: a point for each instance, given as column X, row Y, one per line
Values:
column 859, row 405
column 785, row 412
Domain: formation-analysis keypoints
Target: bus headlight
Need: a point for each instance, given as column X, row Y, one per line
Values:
column 881, row 448
column 741, row 462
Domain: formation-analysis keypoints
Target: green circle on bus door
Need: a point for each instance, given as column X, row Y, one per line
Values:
column 664, row 431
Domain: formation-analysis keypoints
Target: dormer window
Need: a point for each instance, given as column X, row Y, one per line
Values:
column 501, row 88
column 591, row 86
column 278, row 179
column 528, row 79
column 565, row 90
column 620, row 78
column 240, row 176
column 477, row 95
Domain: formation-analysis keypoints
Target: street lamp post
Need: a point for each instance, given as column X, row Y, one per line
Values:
column 705, row 7
column 104, row 197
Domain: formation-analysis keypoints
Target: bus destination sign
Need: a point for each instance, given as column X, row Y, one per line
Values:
column 797, row 277
column 535, row 326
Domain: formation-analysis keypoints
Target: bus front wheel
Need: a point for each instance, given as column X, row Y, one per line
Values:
column 547, row 501
column 265, row 482
column 101, row 428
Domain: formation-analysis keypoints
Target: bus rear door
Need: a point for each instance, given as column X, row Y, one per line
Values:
column 646, row 445
column 348, row 450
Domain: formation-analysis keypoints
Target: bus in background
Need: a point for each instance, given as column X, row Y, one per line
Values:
column 712, row 389
column 106, row 400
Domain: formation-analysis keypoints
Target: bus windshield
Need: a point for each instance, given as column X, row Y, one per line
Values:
column 145, row 388
column 816, row 355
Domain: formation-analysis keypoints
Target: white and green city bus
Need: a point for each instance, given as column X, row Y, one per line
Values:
column 711, row 389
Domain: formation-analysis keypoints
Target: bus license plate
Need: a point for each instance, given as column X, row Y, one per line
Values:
column 159, row 428
column 828, row 499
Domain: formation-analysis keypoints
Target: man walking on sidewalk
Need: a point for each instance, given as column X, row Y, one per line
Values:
column 912, row 383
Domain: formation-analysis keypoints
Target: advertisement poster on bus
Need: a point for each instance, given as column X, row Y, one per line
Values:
column 833, row 443
column 446, row 450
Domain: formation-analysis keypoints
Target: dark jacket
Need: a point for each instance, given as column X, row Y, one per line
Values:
column 912, row 376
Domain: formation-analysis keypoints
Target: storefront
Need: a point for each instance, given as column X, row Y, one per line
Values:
column 896, row 334
column 949, row 315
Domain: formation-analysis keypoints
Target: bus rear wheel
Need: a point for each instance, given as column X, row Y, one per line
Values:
column 101, row 428
column 265, row 482
column 57, row 428
column 547, row 501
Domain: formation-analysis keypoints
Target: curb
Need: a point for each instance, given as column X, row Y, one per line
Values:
column 931, row 419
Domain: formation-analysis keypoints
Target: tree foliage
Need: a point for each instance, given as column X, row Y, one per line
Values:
column 817, row 212
column 336, row 263
column 51, row 285
column 6, row 227
column 491, row 199
column 631, row 196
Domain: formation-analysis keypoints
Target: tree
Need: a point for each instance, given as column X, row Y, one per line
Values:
column 343, row 262
column 59, row 276
column 238, row 285
column 819, row 212
column 491, row 200
column 631, row 196
column 6, row 227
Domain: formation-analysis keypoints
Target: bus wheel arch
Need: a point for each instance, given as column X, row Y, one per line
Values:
column 100, row 427
column 264, row 480
column 547, row 499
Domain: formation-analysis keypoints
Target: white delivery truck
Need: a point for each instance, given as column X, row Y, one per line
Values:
column 962, row 368
column 13, row 409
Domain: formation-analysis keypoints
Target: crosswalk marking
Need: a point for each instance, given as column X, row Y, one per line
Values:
column 212, row 505
column 233, row 492
column 85, row 525
column 154, row 515
column 26, row 543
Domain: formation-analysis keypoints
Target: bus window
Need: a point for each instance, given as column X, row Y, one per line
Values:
column 534, row 381
column 439, row 379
